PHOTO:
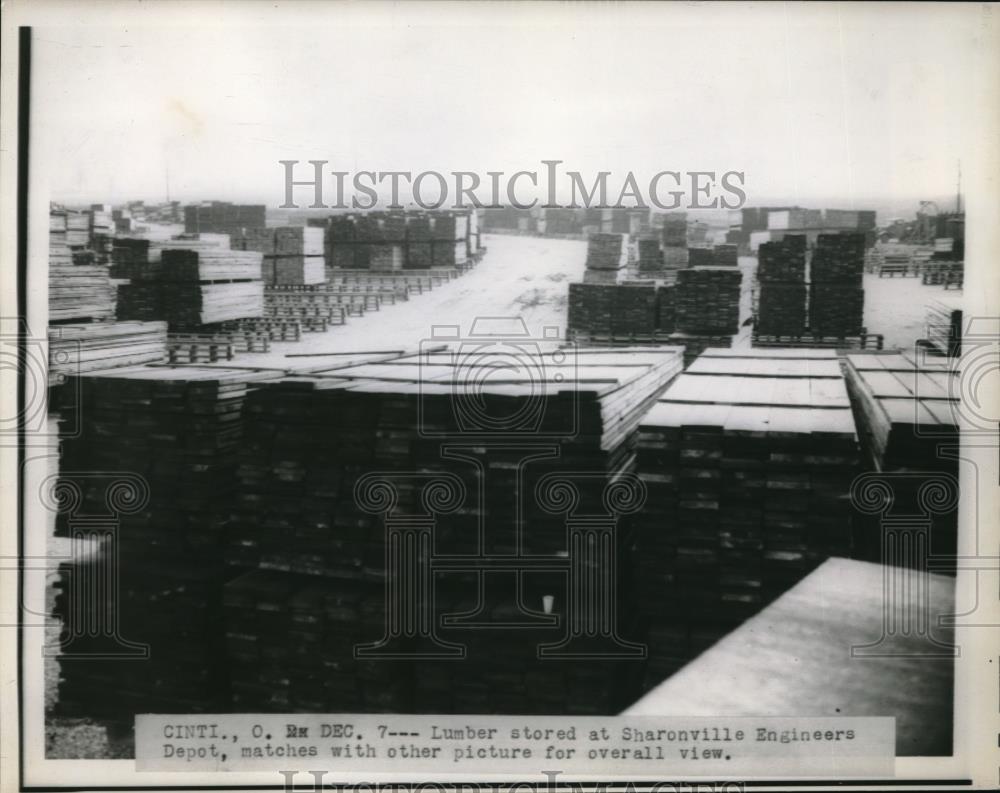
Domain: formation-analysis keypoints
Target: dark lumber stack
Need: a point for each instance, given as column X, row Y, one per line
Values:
column 74, row 349
column 176, row 431
column 726, row 256
column 908, row 412
column 223, row 217
column 310, row 439
column 781, row 270
column 650, row 255
column 612, row 309
column 377, row 240
column 748, row 460
column 293, row 255
column 192, row 288
column 707, row 300
column 836, row 290
column 701, row 257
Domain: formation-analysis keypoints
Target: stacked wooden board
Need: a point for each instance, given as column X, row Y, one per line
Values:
column 944, row 328
column 293, row 255
column 781, row 273
column 192, row 288
column 176, row 431
column 310, row 438
column 707, row 299
column 426, row 239
column 607, row 251
column 726, row 255
column 748, row 460
column 650, row 255
column 674, row 234
column 701, row 257
column 625, row 309
column 797, row 651
column 74, row 349
column 78, row 291
column 908, row 410
column 836, row 290
column 223, row 217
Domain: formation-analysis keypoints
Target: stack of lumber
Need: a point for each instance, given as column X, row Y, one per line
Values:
column 191, row 288
column 701, row 257
column 386, row 258
column 293, row 255
column 836, row 290
column 665, row 313
column 908, row 410
column 78, row 291
column 74, row 349
column 607, row 252
column 443, row 239
column 674, row 234
column 177, row 432
column 223, row 217
column 57, row 227
column 78, row 229
column 650, row 255
column 781, row 272
column 707, row 300
column 612, row 310
column 290, row 644
column 944, row 328
column 726, row 255
column 310, row 439
column 748, row 460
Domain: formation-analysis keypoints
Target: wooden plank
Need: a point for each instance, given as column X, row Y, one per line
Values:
column 793, row 659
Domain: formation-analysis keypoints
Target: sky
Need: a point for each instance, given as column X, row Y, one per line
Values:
column 850, row 103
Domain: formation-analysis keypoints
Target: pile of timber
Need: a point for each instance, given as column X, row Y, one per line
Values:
column 293, row 255
column 78, row 291
column 192, row 288
column 781, row 272
column 908, row 410
column 726, row 255
column 612, row 309
column 650, row 255
column 701, row 257
column 944, row 328
column 748, row 460
column 674, row 233
column 607, row 255
column 223, row 217
column 177, row 432
column 74, row 349
column 836, row 289
column 303, row 511
column 387, row 241
column 707, row 300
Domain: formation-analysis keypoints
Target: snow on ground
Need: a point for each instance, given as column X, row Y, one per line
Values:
column 529, row 277
column 526, row 277
column 897, row 308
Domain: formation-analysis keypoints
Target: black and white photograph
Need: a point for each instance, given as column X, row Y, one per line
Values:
column 572, row 396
